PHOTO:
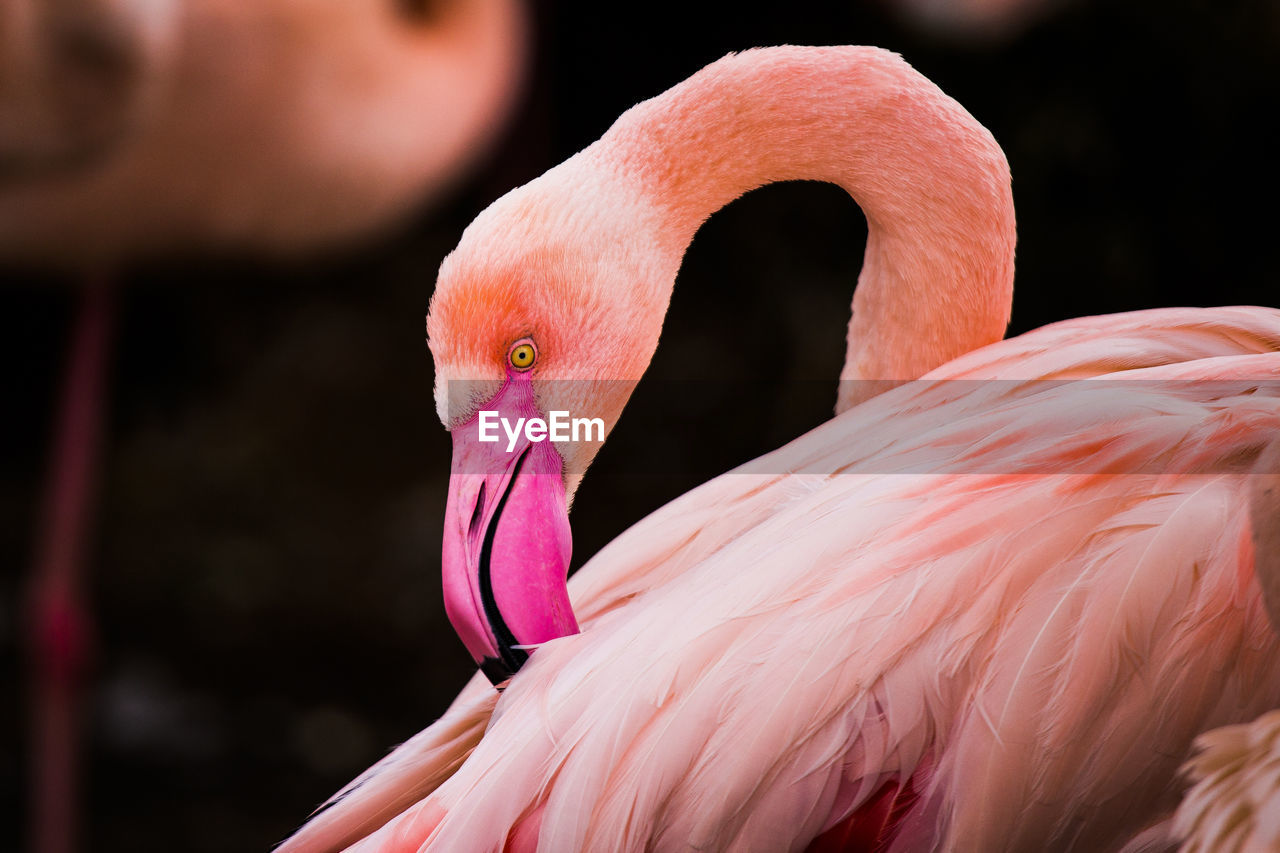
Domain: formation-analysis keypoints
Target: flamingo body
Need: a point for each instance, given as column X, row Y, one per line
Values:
column 1101, row 592
column 1234, row 803
column 988, row 609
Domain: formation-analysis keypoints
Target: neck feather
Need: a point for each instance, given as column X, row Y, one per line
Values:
column 937, row 278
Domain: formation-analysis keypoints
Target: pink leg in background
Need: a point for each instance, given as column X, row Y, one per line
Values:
column 57, row 617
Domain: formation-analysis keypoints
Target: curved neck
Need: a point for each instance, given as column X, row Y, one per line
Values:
column 937, row 278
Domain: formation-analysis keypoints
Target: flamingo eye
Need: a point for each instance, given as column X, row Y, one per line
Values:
column 522, row 356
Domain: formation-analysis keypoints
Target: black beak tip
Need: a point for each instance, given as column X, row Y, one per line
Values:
column 497, row 671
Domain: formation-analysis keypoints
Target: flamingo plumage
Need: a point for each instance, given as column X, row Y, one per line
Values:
column 1235, row 799
column 1232, row 805
column 987, row 609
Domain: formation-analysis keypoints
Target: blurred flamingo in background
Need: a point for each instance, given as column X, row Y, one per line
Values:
column 132, row 128
column 974, row 20
column 78, row 78
column 277, row 126
column 989, row 609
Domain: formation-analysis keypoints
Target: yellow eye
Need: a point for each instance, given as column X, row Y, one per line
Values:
column 522, row 356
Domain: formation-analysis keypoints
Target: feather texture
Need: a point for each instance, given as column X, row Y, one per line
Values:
column 760, row 656
column 1232, row 806
column 987, row 609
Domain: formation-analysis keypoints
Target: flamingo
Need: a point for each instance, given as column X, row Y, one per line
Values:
column 1236, row 796
column 974, row 20
column 988, row 606
column 78, row 78
column 275, row 127
column 130, row 129
column 1232, row 805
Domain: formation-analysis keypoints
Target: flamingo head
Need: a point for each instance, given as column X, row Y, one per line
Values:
column 80, row 80
column 548, row 310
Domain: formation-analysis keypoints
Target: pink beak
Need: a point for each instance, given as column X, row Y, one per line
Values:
column 506, row 539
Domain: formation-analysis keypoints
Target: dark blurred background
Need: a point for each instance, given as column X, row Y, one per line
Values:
column 265, row 567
